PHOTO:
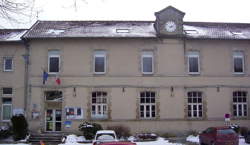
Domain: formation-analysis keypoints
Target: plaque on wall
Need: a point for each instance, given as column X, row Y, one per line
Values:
column 18, row 111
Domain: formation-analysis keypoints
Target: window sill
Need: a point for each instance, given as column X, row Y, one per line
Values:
column 148, row 119
column 240, row 118
column 99, row 117
column 238, row 73
column 5, row 120
column 7, row 95
column 8, row 70
column 99, row 73
column 195, row 119
column 53, row 73
column 194, row 73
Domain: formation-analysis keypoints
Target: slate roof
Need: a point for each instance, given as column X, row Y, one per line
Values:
column 207, row 30
column 11, row 35
column 92, row 29
column 125, row 29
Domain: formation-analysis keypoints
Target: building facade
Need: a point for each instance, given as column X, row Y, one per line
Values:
column 12, row 74
column 151, row 76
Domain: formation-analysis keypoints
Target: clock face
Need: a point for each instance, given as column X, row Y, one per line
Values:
column 170, row 26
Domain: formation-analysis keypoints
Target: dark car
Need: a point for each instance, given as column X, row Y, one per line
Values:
column 219, row 136
column 247, row 137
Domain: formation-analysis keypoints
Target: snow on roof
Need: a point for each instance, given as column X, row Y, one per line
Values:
column 134, row 29
column 10, row 35
column 97, row 29
column 204, row 30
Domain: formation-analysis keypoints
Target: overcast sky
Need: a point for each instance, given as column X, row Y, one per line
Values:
column 196, row 10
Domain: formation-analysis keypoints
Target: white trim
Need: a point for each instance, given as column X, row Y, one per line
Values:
column 239, row 55
column 3, row 111
column 54, row 56
column 197, row 104
column 7, row 95
column 147, row 54
column 103, row 55
column 194, row 55
column 242, row 109
column 12, row 64
column 53, row 120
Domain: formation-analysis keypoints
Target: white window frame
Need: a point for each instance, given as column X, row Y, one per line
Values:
column 145, row 105
column 74, row 116
column 12, row 64
column 99, row 107
column 193, row 54
column 197, row 106
column 100, row 54
column 54, row 56
column 242, row 104
column 239, row 55
column 7, row 94
column 3, row 111
column 148, row 54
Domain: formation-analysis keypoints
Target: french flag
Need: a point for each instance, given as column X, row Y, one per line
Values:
column 45, row 76
column 58, row 80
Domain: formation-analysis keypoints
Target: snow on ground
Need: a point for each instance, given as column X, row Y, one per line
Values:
column 195, row 139
column 192, row 138
column 72, row 140
column 16, row 144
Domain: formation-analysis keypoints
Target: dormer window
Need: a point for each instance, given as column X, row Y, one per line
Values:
column 236, row 32
column 122, row 30
column 191, row 32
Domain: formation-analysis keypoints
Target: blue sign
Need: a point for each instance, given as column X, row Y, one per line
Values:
column 68, row 124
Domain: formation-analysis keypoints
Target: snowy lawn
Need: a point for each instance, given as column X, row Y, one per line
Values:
column 160, row 141
column 195, row 139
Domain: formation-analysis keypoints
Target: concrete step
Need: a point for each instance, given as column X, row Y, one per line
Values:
column 46, row 138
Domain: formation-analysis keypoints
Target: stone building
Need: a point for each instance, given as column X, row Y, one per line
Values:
column 151, row 76
column 12, row 74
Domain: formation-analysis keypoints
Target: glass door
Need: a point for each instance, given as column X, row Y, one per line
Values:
column 53, row 120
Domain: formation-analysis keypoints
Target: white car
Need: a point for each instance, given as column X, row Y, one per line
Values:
column 104, row 136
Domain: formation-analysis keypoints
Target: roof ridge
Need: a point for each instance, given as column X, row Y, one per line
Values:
column 229, row 23
column 96, row 21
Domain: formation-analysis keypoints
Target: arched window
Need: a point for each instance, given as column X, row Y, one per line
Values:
column 147, row 104
column 195, row 105
column 240, row 103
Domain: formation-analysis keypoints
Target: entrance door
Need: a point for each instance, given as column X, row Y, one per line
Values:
column 53, row 120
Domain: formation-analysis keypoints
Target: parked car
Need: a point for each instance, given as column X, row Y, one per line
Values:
column 108, row 137
column 104, row 136
column 219, row 136
column 247, row 137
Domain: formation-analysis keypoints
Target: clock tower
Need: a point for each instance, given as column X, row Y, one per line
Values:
column 169, row 22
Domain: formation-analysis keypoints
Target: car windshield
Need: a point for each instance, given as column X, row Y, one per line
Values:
column 105, row 137
column 225, row 131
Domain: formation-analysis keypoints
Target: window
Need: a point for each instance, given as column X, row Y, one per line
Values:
column 99, row 104
column 8, row 64
column 53, row 96
column 54, row 61
column 7, row 91
column 74, row 113
column 193, row 63
column 6, row 109
column 238, row 60
column 195, row 109
column 240, row 104
column 147, row 63
column 99, row 62
column 147, row 104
